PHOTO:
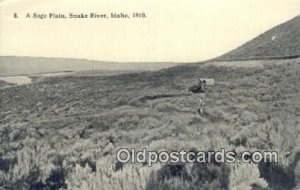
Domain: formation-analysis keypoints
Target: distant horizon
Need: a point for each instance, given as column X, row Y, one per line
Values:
column 94, row 60
column 27, row 65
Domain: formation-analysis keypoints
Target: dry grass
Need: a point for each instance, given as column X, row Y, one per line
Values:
column 64, row 132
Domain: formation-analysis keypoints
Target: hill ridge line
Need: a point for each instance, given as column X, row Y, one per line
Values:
column 256, row 58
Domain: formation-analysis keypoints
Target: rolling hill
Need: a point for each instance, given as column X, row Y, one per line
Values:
column 282, row 41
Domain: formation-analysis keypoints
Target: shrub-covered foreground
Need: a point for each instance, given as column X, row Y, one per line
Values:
column 63, row 133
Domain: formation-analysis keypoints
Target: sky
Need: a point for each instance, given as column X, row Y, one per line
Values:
column 174, row 31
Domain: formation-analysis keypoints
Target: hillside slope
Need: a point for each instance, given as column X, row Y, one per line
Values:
column 67, row 130
column 280, row 41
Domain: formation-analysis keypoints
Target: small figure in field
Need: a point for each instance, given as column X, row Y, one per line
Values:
column 199, row 89
column 201, row 105
column 202, row 83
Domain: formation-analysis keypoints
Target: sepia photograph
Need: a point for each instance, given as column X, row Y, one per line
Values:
column 150, row 95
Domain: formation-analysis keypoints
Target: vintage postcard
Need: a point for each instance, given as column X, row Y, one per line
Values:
column 150, row 95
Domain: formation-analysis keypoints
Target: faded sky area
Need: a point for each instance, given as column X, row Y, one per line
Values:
column 177, row 31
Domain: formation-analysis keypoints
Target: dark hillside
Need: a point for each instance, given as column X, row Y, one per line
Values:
column 280, row 41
